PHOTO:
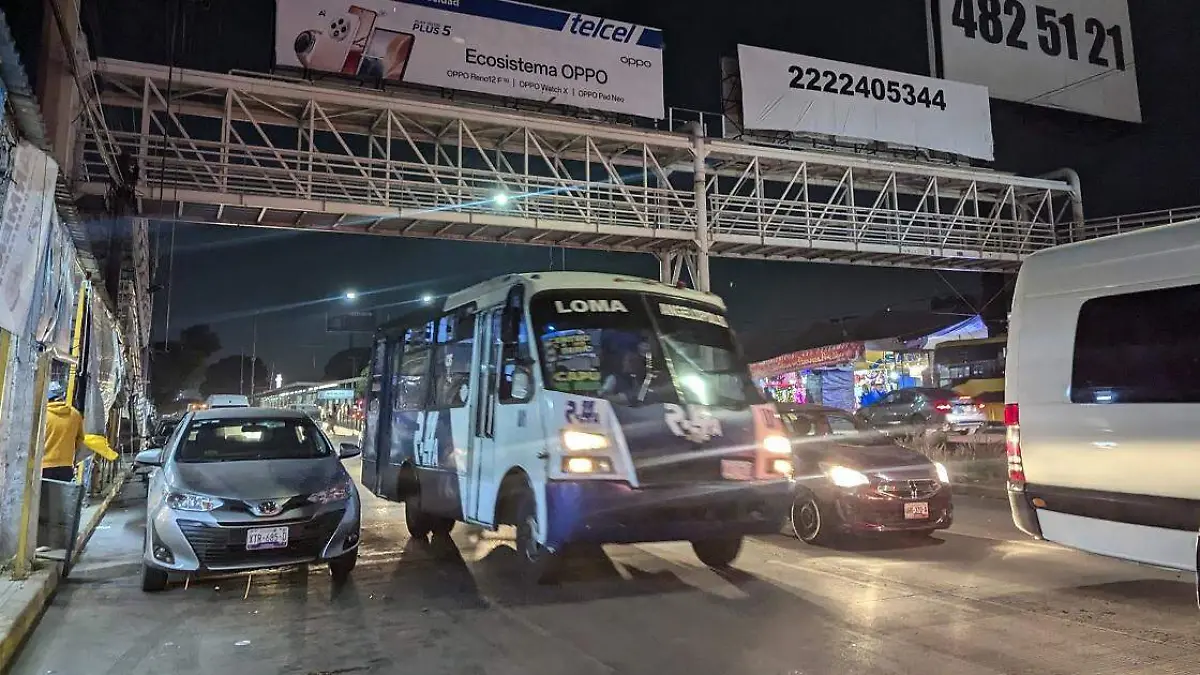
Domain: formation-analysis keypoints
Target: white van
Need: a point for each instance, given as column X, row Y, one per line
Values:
column 1103, row 396
column 227, row 401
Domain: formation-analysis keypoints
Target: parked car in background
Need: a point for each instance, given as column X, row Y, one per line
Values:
column 248, row 488
column 315, row 413
column 853, row 480
column 227, row 401
column 923, row 408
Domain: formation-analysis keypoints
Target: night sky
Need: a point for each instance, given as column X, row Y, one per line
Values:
column 223, row 276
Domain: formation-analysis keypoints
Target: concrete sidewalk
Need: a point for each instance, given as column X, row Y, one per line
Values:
column 22, row 602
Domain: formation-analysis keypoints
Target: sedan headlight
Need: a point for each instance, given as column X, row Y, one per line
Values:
column 846, row 477
column 336, row 493
column 942, row 474
column 186, row 501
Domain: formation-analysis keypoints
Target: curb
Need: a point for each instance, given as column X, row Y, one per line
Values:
column 89, row 528
column 34, row 595
column 976, row 490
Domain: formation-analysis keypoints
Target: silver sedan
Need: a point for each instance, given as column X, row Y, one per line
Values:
column 248, row 488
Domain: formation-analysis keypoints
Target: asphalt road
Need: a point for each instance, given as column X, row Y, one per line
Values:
column 979, row 598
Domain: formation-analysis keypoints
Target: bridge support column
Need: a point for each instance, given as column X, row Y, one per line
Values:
column 700, row 274
column 670, row 266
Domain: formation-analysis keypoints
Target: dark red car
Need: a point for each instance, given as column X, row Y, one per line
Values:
column 851, row 479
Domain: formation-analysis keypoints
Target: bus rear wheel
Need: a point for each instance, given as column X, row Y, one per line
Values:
column 717, row 553
column 419, row 522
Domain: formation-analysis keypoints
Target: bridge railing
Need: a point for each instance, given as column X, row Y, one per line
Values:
column 1103, row 227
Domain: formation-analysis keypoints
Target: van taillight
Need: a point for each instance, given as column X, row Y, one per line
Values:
column 1012, row 442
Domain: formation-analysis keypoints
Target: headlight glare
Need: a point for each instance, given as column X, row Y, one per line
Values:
column 186, row 501
column 777, row 445
column 582, row 441
column 846, row 477
column 335, row 493
column 942, row 474
column 586, row 465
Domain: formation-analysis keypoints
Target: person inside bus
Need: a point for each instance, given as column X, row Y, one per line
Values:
column 626, row 368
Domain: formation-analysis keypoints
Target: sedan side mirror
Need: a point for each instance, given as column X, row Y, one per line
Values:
column 152, row 457
column 349, row 450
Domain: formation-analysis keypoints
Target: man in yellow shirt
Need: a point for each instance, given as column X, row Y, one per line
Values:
column 64, row 435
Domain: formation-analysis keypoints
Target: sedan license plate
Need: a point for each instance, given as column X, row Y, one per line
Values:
column 916, row 511
column 261, row 538
column 734, row 470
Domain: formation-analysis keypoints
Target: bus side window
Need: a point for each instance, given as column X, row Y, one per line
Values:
column 516, row 382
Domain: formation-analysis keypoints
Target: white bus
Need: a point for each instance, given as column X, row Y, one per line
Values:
column 581, row 408
column 1103, row 396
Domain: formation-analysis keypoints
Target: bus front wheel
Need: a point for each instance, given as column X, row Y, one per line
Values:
column 717, row 553
column 539, row 565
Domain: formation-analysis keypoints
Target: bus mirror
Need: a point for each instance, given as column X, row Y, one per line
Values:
column 517, row 384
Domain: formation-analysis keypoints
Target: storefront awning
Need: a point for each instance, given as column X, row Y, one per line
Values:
column 807, row 359
column 970, row 329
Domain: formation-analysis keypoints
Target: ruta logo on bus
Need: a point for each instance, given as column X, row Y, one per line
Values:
column 694, row 423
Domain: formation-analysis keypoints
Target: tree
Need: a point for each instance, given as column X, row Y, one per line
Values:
column 231, row 375
column 347, row 363
column 176, row 363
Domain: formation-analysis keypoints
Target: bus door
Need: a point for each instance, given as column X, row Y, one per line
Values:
column 484, row 378
column 378, row 417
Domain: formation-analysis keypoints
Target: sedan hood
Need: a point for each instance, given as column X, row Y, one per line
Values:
column 261, row 479
column 875, row 457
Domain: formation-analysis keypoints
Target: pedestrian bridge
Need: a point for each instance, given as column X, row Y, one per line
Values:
column 262, row 151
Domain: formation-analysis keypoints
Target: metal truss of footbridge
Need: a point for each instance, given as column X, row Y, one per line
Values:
column 260, row 151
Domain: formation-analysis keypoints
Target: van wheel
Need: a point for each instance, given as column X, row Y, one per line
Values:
column 538, row 564
column 153, row 579
column 717, row 553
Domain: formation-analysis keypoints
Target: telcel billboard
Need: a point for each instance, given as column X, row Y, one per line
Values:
column 492, row 47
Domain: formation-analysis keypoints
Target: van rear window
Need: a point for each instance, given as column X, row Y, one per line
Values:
column 1139, row 348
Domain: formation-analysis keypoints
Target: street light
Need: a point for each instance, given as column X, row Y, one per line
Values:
column 426, row 299
column 501, row 198
column 351, row 295
column 278, row 380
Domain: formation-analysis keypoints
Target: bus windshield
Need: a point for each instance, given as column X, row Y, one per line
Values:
column 958, row 362
column 639, row 348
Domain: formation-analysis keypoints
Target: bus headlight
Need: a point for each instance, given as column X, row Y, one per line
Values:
column 582, row 441
column 777, row 445
column 586, row 465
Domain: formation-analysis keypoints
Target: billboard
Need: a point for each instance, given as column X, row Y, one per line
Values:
column 790, row 92
column 351, row 322
column 496, row 47
column 1072, row 55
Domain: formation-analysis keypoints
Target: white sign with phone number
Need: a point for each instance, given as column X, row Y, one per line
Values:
column 1074, row 55
column 790, row 92
column 496, row 47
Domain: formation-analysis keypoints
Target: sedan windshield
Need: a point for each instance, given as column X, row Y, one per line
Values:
column 639, row 348
column 227, row 440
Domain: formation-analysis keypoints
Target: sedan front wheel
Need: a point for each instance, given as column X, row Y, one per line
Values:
column 813, row 521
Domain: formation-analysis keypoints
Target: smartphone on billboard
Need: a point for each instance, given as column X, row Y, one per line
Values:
column 334, row 40
column 362, row 36
column 387, row 55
